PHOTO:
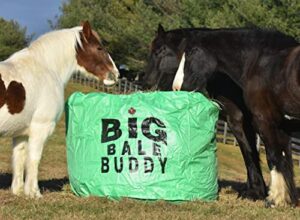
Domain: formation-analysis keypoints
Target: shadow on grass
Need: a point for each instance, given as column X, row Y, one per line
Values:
column 52, row 185
column 236, row 186
column 5, row 180
column 239, row 187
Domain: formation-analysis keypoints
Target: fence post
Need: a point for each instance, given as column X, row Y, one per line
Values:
column 120, row 85
column 234, row 141
column 225, row 133
column 125, row 87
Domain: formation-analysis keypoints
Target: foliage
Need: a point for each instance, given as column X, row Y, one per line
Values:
column 129, row 25
column 12, row 38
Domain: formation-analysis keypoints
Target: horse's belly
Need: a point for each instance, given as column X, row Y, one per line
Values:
column 13, row 124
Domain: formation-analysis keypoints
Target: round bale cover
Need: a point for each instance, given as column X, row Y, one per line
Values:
column 158, row 145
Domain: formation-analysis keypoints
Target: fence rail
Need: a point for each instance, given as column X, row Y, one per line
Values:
column 224, row 135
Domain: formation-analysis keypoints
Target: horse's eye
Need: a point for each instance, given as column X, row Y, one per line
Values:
column 99, row 48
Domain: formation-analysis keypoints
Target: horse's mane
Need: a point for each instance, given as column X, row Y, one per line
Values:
column 51, row 49
column 245, row 30
column 253, row 36
column 49, row 41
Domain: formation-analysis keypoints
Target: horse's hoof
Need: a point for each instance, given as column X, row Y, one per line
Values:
column 269, row 203
column 34, row 194
column 17, row 191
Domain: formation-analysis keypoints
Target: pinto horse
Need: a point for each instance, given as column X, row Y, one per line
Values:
column 269, row 78
column 32, row 85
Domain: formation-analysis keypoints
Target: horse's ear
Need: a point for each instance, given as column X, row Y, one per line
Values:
column 160, row 30
column 86, row 29
column 182, row 45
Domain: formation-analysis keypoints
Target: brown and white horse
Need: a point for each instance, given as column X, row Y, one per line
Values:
column 32, row 85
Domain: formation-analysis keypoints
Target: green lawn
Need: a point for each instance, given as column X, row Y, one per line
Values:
column 58, row 202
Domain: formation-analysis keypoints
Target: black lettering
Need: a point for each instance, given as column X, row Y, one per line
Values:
column 104, row 165
column 132, row 125
column 118, row 169
column 110, row 126
column 161, row 135
column 140, row 148
column 148, row 160
column 126, row 148
column 135, row 161
column 162, row 164
column 111, row 149
column 156, row 149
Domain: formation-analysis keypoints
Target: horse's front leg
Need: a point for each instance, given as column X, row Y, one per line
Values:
column 282, row 190
column 244, row 132
column 39, row 132
column 18, row 163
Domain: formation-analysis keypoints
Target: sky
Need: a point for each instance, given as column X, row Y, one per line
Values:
column 33, row 14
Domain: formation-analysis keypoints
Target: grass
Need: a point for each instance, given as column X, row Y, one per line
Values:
column 59, row 202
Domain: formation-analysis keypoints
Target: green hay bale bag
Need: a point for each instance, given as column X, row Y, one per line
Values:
column 152, row 146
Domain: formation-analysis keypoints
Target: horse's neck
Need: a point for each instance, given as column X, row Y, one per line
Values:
column 63, row 66
column 231, row 65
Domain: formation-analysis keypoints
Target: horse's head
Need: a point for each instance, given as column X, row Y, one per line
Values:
column 163, row 61
column 196, row 66
column 93, row 57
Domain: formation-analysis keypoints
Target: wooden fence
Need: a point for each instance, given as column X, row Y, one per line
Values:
column 224, row 134
column 122, row 87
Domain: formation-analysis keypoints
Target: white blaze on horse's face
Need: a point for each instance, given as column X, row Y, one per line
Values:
column 178, row 80
column 93, row 58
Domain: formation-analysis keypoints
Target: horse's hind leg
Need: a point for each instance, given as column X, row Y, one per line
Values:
column 39, row 132
column 18, row 163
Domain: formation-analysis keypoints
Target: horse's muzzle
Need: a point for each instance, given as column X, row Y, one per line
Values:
column 112, row 78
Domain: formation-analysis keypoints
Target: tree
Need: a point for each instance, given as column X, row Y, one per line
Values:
column 12, row 38
column 129, row 25
column 282, row 15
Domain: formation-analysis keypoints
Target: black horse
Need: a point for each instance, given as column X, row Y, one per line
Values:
column 163, row 63
column 265, row 64
column 164, row 59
